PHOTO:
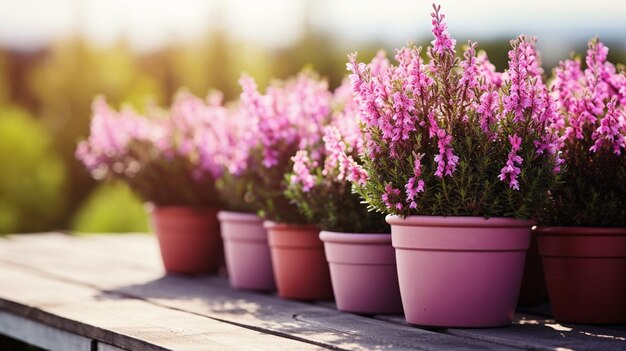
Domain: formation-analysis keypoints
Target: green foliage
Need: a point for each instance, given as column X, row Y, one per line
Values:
column 332, row 206
column 266, row 188
column 32, row 178
column 593, row 190
column 163, row 180
column 234, row 193
column 111, row 208
column 474, row 188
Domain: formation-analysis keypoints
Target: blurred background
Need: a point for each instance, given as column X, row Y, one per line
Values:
column 55, row 55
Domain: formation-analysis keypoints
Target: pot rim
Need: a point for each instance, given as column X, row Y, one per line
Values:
column 182, row 209
column 458, row 221
column 580, row 231
column 235, row 216
column 355, row 238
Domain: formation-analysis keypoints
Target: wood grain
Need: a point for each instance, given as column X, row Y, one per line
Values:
column 122, row 322
column 122, row 268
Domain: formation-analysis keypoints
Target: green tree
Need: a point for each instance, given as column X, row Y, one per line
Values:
column 32, row 175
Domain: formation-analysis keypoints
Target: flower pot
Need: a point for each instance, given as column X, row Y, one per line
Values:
column 533, row 291
column 459, row 271
column 586, row 273
column 189, row 239
column 247, row 252
column 363, row 272
column 299, row 262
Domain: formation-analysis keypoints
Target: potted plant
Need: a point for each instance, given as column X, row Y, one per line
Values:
column 460, row 161
column 357, row 242
column 246, row 248
column 168, row 161
column 583, row 242
column 289, row 116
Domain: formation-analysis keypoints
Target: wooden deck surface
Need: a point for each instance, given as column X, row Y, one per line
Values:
column 109, row 292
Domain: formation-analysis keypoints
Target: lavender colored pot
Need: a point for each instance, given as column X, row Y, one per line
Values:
column 363, row 272
column 247, row 252
column 459, row 271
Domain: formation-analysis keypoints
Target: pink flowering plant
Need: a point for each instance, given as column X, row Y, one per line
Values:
column 452, row 137
column 168, row 159
column 320, row 188
column 593, row 132
column 290, row 116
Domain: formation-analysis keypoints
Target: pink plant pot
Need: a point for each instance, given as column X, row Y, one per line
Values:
column 363, row 272
column 247, row 251
column 459, row 271
column 586, row 273
column 299, row 262
column 189, row 239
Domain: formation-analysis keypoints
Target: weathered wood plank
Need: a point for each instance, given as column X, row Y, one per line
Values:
column 129, row 324
column 41, row 335
column 211, row 297
column 540, row 333
column 140, row 249
column 107, row 347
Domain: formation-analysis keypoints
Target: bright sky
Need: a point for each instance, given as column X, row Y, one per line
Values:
column 148, row 24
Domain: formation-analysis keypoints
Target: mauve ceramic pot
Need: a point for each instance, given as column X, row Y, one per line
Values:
column 459, row 271
column 247, row 251
column 189, row 239
column 363, row 272
column 585, row 271
column 299, row 263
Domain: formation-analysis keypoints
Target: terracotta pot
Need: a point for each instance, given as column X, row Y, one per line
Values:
column 459, row 271
column 363, row 272
column 189, row 239
column 586, row 273
column 247, row 252
column 299, row 262
column 534, row 291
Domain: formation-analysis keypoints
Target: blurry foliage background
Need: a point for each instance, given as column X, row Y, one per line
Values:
column 45, row 98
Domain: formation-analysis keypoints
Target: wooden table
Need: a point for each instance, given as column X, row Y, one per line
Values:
column 109, row 292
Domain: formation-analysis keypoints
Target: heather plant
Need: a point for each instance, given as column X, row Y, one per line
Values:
column 452, row 137
column 593, row 128
column 235, row 183
column 320, row 188
column 290, row 116
column 169, row 158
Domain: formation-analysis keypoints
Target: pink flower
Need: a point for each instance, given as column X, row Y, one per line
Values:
column 612, row 129
column 355, row 172
column 291, row 115
column 302, row 166
column 379, row 64
column 415, row 185
column 335, row 150
column 511, row 171
column 391, row 198
column 110, row 133
column 443, row 41
column 446, row 159
column 418, row 80
column 363, row 90
column 487, row 71
column 487, row 109
column 519, row 97
column 469, row 79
